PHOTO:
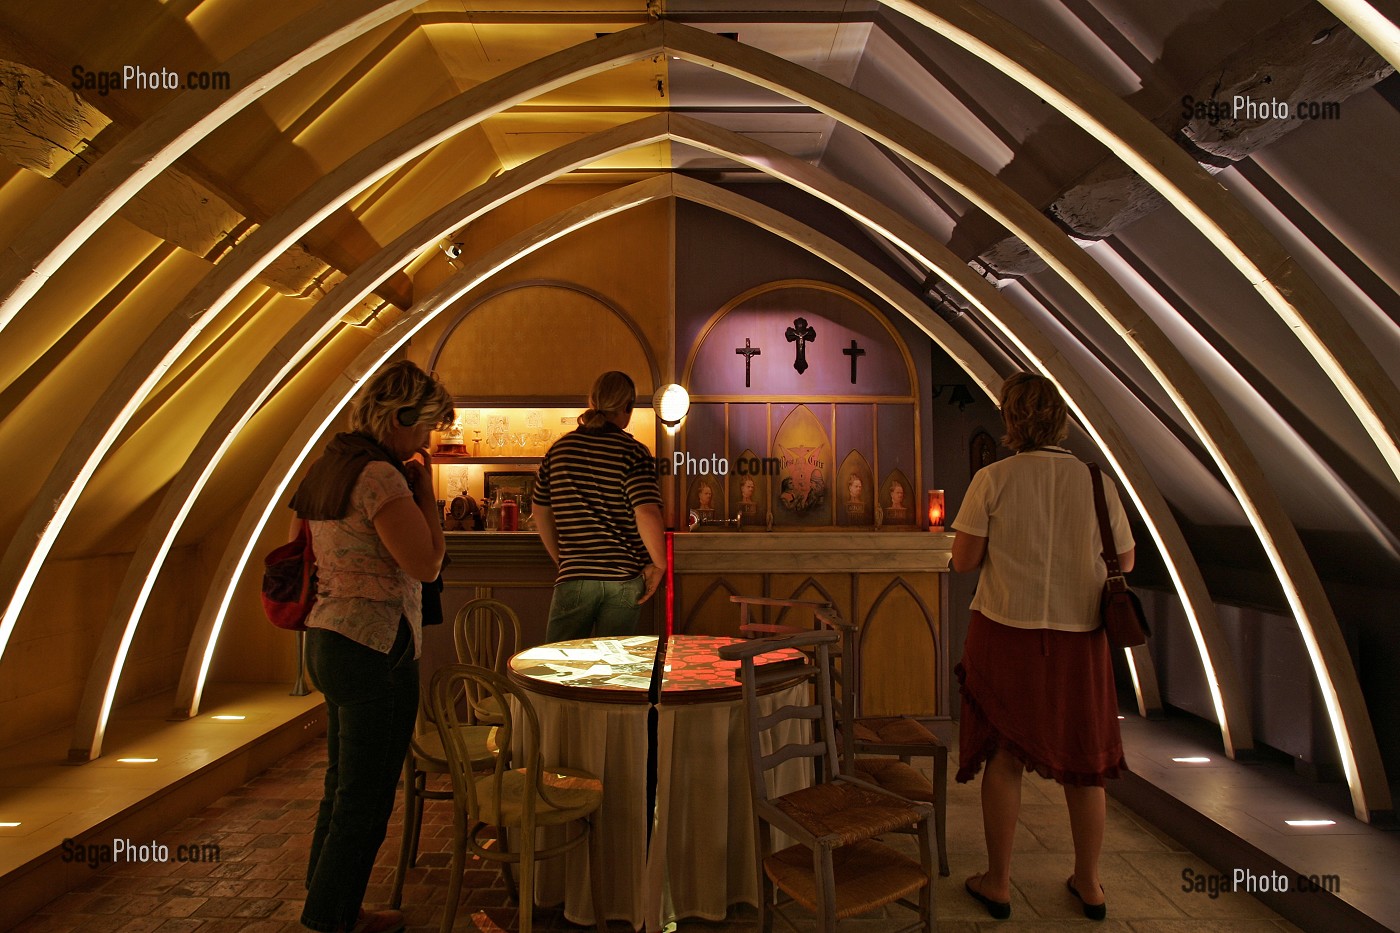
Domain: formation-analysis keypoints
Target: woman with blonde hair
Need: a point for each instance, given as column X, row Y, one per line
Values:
column 377, row 534
column 597, row 506
column 1037, row 683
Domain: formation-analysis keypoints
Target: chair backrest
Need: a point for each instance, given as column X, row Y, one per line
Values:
column 845, row 678
column 486, row 633
column 455, row 724
column 815, row 718
column 749, row 627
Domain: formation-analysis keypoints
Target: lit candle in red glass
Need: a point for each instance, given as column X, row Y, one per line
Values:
column 935, row 510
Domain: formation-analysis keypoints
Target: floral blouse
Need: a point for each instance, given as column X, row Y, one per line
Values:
column 361, row 591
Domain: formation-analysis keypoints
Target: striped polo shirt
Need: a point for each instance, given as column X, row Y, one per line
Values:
column 592, row 480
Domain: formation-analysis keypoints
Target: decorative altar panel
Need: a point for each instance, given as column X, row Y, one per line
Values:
column 889, row 585
column 811, row 381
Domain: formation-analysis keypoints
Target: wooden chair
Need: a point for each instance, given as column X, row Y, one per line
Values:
column 837, row 870
column 486, row 633
column 510, row 802
column 426, row 757
column 902, row 736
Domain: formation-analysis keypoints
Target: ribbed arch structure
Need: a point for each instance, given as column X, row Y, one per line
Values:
column 1231, row 709
column 984, row 36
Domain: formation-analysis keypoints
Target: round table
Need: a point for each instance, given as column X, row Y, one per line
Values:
column 591, row 697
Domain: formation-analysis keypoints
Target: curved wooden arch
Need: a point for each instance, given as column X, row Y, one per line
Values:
column 211, row 618
column 1345, row 704
column 100, row 428
column 797, row 591
column 1327, row 650
column 109, row 183
column 1221, row 674
column 653, row 365
column 1227, row 224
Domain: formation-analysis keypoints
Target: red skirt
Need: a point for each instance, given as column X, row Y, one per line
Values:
column 1046, row 697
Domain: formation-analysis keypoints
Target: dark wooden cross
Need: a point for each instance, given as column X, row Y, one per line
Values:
column 800, row 334
column 749, row 351
column 855, row 353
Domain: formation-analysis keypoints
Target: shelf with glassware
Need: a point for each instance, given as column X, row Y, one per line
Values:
column 491, row 454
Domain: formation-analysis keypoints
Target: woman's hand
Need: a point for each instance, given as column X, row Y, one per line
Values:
column 420, row 475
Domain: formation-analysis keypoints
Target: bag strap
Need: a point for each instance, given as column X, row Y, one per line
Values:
column 1110, row 548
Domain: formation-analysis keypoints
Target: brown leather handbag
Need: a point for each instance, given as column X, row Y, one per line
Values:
column 1119, row 607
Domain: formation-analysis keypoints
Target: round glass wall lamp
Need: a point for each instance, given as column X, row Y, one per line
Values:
column 671, row 403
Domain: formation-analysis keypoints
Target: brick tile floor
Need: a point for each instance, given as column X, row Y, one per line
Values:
column 263, row 832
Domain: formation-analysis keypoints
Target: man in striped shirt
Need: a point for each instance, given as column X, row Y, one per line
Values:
column 597, row 506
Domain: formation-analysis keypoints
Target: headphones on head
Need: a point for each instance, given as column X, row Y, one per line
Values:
column 409, row 415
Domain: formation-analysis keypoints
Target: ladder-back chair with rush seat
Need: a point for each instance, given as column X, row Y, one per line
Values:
column 837, row 869
column 496, row 812
column 486, row 633
column 901, row 736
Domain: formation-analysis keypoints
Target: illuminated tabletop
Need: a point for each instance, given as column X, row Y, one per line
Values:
column 619, row 670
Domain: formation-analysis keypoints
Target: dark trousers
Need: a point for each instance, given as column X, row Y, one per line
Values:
column 371, row 705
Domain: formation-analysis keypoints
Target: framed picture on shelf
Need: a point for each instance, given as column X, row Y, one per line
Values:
column 517, row 483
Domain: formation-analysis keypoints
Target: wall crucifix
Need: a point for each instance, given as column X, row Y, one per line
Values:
column 800, row 334
column 749, row 351
column 855, row 353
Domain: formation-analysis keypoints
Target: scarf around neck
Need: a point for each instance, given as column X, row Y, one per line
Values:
column 324, row 495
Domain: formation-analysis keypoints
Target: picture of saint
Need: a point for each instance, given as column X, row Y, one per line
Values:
column 702, row 497
column 898, row 507
column 856, row 491
column 855, row 495
column 747, row 503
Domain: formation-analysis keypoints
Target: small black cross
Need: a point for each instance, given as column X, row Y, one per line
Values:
column 749, row 352
column 855, row 353
column 800, row 334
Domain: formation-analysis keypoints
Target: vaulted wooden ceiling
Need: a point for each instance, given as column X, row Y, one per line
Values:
column 1053, row 183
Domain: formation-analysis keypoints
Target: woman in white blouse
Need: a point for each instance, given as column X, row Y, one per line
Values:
column 1037, row 682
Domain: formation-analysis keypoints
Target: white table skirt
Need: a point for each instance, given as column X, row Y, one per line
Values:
column 702, row 850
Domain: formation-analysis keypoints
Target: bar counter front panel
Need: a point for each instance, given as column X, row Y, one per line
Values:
column 888, row 583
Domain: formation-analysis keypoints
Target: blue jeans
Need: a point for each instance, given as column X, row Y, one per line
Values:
column 371, row 705
column 588, row 608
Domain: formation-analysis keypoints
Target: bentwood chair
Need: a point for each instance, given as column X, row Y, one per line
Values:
column 486, row 633
column 425, row 758
column 903, row 736
column 492, row 808
column 837, row 869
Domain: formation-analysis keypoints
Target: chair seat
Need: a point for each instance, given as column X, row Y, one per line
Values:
column 573, row 795
column 895, row 776
column 868, row 875
column 894, row 730
column 846, row 811
column 488, row 710
column 481, row 743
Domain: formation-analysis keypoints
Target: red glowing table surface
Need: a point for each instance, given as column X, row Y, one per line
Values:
column 619, row 670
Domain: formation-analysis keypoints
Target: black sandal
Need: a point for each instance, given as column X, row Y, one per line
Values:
column 1000, row 910
column 1092, row 911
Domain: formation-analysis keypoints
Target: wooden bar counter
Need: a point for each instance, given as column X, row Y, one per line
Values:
column 888, row 583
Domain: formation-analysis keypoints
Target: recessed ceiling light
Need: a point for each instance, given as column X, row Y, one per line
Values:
column 1311, row 822
column 9, row 825
column 138, row 761
column 1193, row 760
column 229, row 717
